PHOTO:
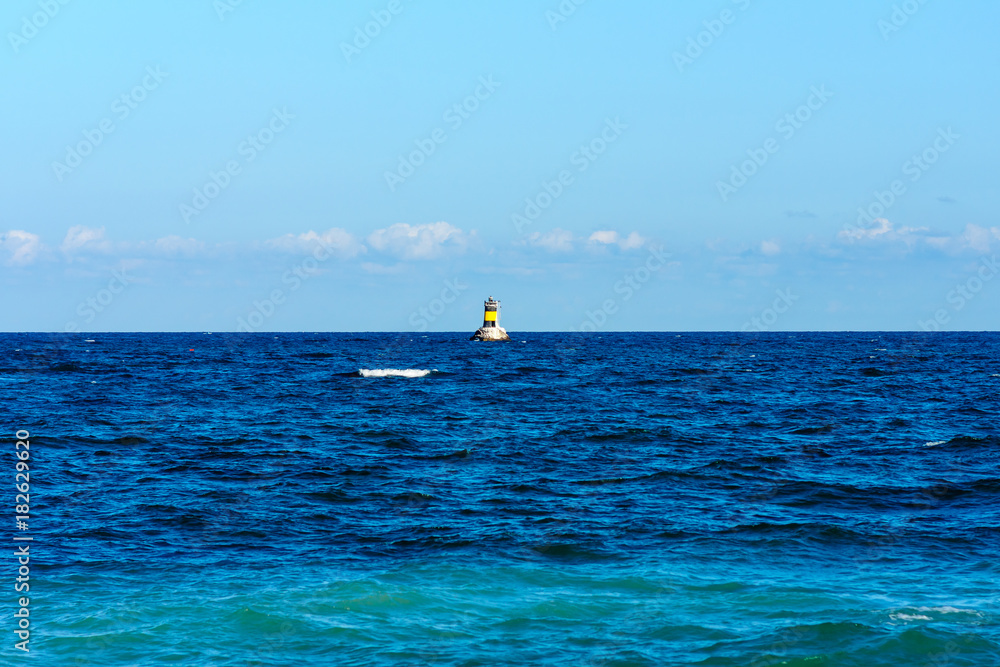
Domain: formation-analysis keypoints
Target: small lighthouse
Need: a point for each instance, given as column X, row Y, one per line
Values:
column 491, row 329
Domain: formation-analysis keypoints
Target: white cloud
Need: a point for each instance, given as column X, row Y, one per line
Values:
column 610, row 237
column 884, row 231
column 882, row 227
column 20, row 247
column 978, row 239
column 631, row 242
column 85, row 239
column 606, row 237
column 81, row 240
column 336, row 240
column 973, row 238
column 557, row 240
column 770, row 248
column 427, row 241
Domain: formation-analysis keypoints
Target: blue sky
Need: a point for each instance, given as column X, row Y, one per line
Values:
column 606, row 166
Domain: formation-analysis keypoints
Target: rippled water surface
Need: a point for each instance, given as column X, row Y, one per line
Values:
column 602, row 499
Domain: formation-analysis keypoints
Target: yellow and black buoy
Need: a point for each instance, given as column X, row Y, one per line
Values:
column 491, row 329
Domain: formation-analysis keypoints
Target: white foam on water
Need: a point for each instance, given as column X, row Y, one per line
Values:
column 935, row 443
column 394, row 372
column 909, row 617
column 949, row 610
column 926, row 613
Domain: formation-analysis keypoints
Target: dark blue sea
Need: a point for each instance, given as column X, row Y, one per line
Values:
column 716, row 499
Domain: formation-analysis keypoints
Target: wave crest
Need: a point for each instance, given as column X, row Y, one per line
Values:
column 393, row 372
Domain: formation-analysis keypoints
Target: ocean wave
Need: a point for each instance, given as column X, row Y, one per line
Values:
column 803, row 493
column 67, row 367
column 946, row 609
column 966, row 441
column 394, row 372
column 911, row 614
column 909, row 617
column 813, row 430
column 801, row 530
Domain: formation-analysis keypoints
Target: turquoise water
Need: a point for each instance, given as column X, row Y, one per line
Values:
column 450, row 614
column 625, row 499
